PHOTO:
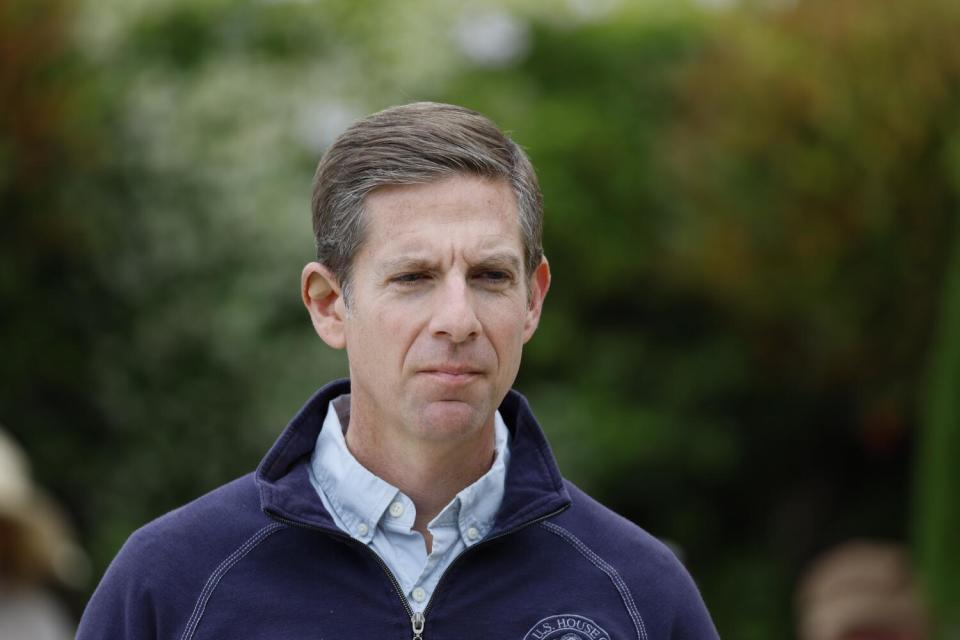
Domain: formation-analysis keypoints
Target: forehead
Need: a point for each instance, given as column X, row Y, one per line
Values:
column 460, row 212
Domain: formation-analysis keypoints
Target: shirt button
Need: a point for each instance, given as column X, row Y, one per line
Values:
column 396, row 509
column 362, row 529
column 472, row 533
column 419, row 594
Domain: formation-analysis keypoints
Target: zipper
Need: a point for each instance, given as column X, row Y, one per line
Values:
column 417, row 619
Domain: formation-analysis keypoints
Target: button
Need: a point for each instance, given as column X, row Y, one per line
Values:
column 396, row 509
column 472, row 533
column 419, row 594
column 362, row 529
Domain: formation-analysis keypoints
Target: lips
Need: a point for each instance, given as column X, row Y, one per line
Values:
column 451, row 369
column 452, row 374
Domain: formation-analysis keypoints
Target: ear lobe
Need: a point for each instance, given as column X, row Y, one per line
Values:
column 538, row 286
column 323, row 299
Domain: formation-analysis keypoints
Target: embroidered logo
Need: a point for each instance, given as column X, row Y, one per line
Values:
column 567, row 626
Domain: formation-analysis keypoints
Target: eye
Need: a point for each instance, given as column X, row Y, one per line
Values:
column 409, row 278
column 495, row 277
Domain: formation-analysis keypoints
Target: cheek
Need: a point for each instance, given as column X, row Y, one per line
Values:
column 396, row 333
column 506, row 332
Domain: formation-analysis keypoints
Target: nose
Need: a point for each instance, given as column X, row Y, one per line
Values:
column 454, row 316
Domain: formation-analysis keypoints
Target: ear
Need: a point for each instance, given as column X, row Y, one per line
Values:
column 538, row 286
column 323, row 298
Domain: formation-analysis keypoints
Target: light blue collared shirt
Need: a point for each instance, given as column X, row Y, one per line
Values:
column 380, row 516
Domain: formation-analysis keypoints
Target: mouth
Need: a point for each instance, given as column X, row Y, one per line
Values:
column 452, row 375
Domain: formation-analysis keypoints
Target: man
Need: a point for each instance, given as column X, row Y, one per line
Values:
column 419, row 499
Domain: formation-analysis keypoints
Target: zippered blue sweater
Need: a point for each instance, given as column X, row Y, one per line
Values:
column 260, row 558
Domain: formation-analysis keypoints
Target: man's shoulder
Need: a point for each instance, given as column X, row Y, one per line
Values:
column 190, row 542
column 222, row 517
column 642, row 567
column 154, row 581
column 611, row 536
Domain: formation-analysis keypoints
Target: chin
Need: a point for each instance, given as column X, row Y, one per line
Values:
column 451, row 419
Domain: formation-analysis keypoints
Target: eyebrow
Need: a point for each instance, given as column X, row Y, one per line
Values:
column 500, row 258
column 404, row 263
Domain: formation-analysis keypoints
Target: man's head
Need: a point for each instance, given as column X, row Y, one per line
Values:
column 432, row 218
column 414, row 144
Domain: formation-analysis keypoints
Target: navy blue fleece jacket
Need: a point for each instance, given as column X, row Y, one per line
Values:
column 260, row 558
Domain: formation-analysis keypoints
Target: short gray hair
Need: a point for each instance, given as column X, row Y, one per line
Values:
column 415, row 144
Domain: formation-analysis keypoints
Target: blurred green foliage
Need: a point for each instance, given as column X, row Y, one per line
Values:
column 749, row 217
column 937, row 507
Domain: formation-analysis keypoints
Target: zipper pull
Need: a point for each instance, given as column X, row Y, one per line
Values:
column 417, row 620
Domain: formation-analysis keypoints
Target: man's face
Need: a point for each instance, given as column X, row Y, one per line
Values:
column 439, row 308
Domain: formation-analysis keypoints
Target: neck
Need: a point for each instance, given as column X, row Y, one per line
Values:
column 430, row 473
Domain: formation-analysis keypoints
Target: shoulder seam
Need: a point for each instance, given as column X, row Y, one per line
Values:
column 612, row 573
column 214, row 580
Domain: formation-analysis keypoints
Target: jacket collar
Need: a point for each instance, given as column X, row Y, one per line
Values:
column 534, row 488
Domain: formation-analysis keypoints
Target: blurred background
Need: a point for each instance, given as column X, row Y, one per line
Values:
column 752, row 344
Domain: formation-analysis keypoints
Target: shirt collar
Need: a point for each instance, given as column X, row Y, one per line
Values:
column 360, row 499
column 478, row 503
column 534, row 488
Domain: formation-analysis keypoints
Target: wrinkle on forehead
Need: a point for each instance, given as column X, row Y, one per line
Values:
column 477, row 220
column 413, row 243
